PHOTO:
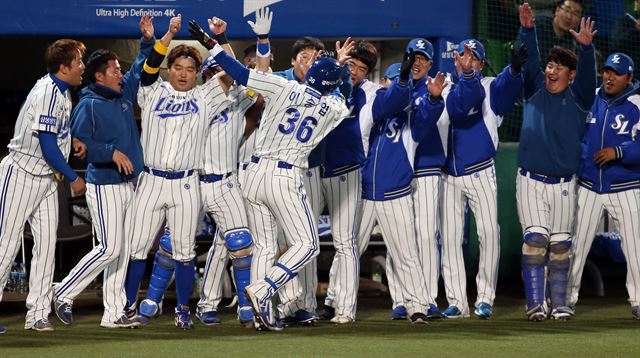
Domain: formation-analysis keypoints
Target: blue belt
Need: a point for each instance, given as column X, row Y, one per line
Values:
column 545, row 179
column 281, row 164
column 168, row 175
column 212, row 178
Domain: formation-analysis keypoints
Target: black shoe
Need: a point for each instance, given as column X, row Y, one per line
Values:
column 418, row 318
column 327, row 312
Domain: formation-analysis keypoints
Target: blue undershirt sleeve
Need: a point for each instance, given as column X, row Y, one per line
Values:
column 53, row 155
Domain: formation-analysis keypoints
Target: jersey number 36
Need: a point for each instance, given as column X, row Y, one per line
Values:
column 305, row 128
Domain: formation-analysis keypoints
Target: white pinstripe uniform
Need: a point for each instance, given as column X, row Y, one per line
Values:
column 223, row 198
column 29, row 192
column 174, row 128
column 294, row 121
column 343, row 193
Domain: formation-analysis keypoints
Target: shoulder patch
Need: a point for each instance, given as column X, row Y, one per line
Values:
column 48, row 120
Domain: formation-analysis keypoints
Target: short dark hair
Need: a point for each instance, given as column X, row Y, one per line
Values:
column 563, row 56
column 98, row 62
column 183, row 50
column 306, row 42
column 365, row 52
column 250, row 50
column 62, row 52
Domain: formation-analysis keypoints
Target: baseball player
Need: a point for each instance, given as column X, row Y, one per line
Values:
column 387, row 175
column 39, row 149
column 295, row 119
column 342, row 185
column 609, row 175
column 555, row 108
column 175, row 118
column 475, row 106
column 429, row 160
column 104, row 121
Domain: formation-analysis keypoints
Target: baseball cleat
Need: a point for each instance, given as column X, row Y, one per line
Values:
column 183, row 318
column 433, row 312
column 484, row 310
column 208, row 318
column 537, row 314
column 123, row 322
column 130, row 310
column 42, row 325
column 562, row 313
column 340, row 319
column 418, row 318
column 64, row 312
column 263, row 313
column 245, row 316
column 454, row 312
column 399, row 313
column 635, row 312
column 327, row 312
column 306, row 318
column 2, row 329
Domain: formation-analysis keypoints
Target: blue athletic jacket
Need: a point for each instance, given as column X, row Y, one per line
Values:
column 346, row 144
column 318, row 154
column 430, row 154
column 553, row 124
column 475, row 106
column 388, row 170
column 612, row 122
column 104, row 121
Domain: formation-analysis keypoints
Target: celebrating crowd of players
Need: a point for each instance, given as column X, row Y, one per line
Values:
column 263, row 153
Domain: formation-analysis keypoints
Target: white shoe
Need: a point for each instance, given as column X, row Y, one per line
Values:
column 339, row 319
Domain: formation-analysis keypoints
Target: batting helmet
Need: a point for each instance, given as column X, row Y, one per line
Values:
column 324, row 75
column 210, row 63
column 421, row 46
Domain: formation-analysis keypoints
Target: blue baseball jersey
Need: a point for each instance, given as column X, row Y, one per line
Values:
column 612, row 122
column 104, row 120
column 554, row 124
column 388, row 170
column 431, row 153
column 475, row 106
column 347, row 143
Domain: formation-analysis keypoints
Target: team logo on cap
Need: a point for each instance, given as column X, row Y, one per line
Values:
column 420, row 44
column 471, row 44
column 615, row 59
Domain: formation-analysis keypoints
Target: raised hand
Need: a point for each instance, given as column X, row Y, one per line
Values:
column 306, row 63
column 466, row 60
column 175, row 23
column 197, row 33
column 437, row 85
column 217, row 25
column 262, row 26
column 146, row 27
column 586, row 34
column 344, row 50
column 526, row 16
column 407, row 63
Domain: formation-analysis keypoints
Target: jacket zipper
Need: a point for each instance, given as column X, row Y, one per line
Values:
column 606, row 113
column 375, row 163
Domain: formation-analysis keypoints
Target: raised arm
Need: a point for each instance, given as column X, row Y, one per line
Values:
column 131, row 80
column 261, row 28
column 430, row 108
column 151, row 68
column 468, row 93
column 533, row 77
column 506, row 88
column 398, row 96
column 584, row 84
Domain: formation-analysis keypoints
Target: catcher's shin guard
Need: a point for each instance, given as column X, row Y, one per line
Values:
column 161, row 275
column 239, row 242
column 533, row 277
column 559, row 272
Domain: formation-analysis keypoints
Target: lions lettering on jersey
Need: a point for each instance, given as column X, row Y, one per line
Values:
column 174, row 106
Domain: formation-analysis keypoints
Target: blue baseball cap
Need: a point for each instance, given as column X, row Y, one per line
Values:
column 421, row 46
column 476, row 47
column 392, row 71
column 619, row 63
